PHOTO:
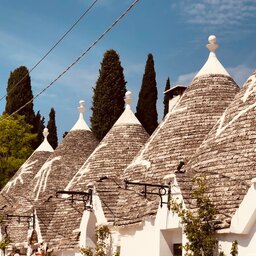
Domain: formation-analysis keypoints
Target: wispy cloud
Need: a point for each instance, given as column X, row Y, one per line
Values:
column 239, row 73
column 216, row 12
column 135, row 68
column 185, row 79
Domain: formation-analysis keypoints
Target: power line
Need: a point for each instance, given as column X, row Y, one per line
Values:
column 78, row 59
column 53, row 47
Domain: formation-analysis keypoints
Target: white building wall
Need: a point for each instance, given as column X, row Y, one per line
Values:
column 140, row 241
column 68, row 253
column 246, row 242
column 155, row 237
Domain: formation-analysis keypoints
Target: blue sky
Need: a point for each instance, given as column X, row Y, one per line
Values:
column 175, row 32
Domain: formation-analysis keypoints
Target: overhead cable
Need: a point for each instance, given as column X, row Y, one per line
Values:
column 78, row 59
column 52, row 48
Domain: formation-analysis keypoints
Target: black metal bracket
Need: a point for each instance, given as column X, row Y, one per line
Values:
column 23, row 218
column 81, row 196
column 162, row 190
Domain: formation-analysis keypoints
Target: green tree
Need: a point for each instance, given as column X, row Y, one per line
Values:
column 199, row 223
column 102, row 234
column 38, row 129
column 108, row 103
column 52, row 128
column 15, row 141
column 146, row 110
column 19, row 92
column 166, row 99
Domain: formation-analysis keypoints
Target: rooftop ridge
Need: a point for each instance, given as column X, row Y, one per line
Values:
column 45, row 145
column 80, row 124
column 212, row 65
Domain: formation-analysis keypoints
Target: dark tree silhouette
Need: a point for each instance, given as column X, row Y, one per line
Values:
column 108, row 103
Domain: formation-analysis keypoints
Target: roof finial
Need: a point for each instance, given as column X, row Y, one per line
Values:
column 81, row 108
column 212, row 46
column 45, row 146
column 127, row 117
column 45, row 133
column 81, row 124
column 128, row 98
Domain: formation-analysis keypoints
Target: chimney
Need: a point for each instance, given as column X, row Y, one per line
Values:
column 174, row 94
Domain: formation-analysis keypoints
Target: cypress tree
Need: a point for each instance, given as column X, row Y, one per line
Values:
column 52, row 137
column 108, row 103
column 166, row 99
column 38, row 129
column 19, row 92
column 146, row 110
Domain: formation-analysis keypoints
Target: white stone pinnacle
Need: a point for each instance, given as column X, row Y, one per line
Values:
column 127, row 117
column 212, row 46
column 81, row 124
column 212, row 65
column 45, row 146
column 81, row 108
column 45, row 132
column 128, row 98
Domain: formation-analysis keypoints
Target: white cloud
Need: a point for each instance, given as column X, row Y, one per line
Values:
column 137, row 68
column 240, row 73
column 216, row 12
column 185, row 79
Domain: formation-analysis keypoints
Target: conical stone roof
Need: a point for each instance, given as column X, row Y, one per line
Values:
column 67, row 158
column 109, row 159
column 18, row 189
column 17, row 196
column 179, row 135
column 227, row 156
column 59, row 169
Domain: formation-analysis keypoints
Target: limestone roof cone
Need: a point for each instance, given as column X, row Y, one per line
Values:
column 67, row 158
column 60, row 167
column 19, row 184
column 109, row 159
column 17, row 195
column 227, row 156
column 192, row 116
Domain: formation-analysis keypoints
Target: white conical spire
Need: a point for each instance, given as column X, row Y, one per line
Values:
column 45, row 145
column 212, row 65
column 127, row 117
column 81, row 124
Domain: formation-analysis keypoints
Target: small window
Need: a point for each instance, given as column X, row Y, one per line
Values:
column 177, row 249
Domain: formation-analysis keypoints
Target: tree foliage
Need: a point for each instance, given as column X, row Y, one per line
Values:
column 199, row 223
column 38, row 129
column 102, row 234
column 19, row 92
column 52, row 128
column 146, row 110
column 166, row 99
column 109, row 92
column 15, row 141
